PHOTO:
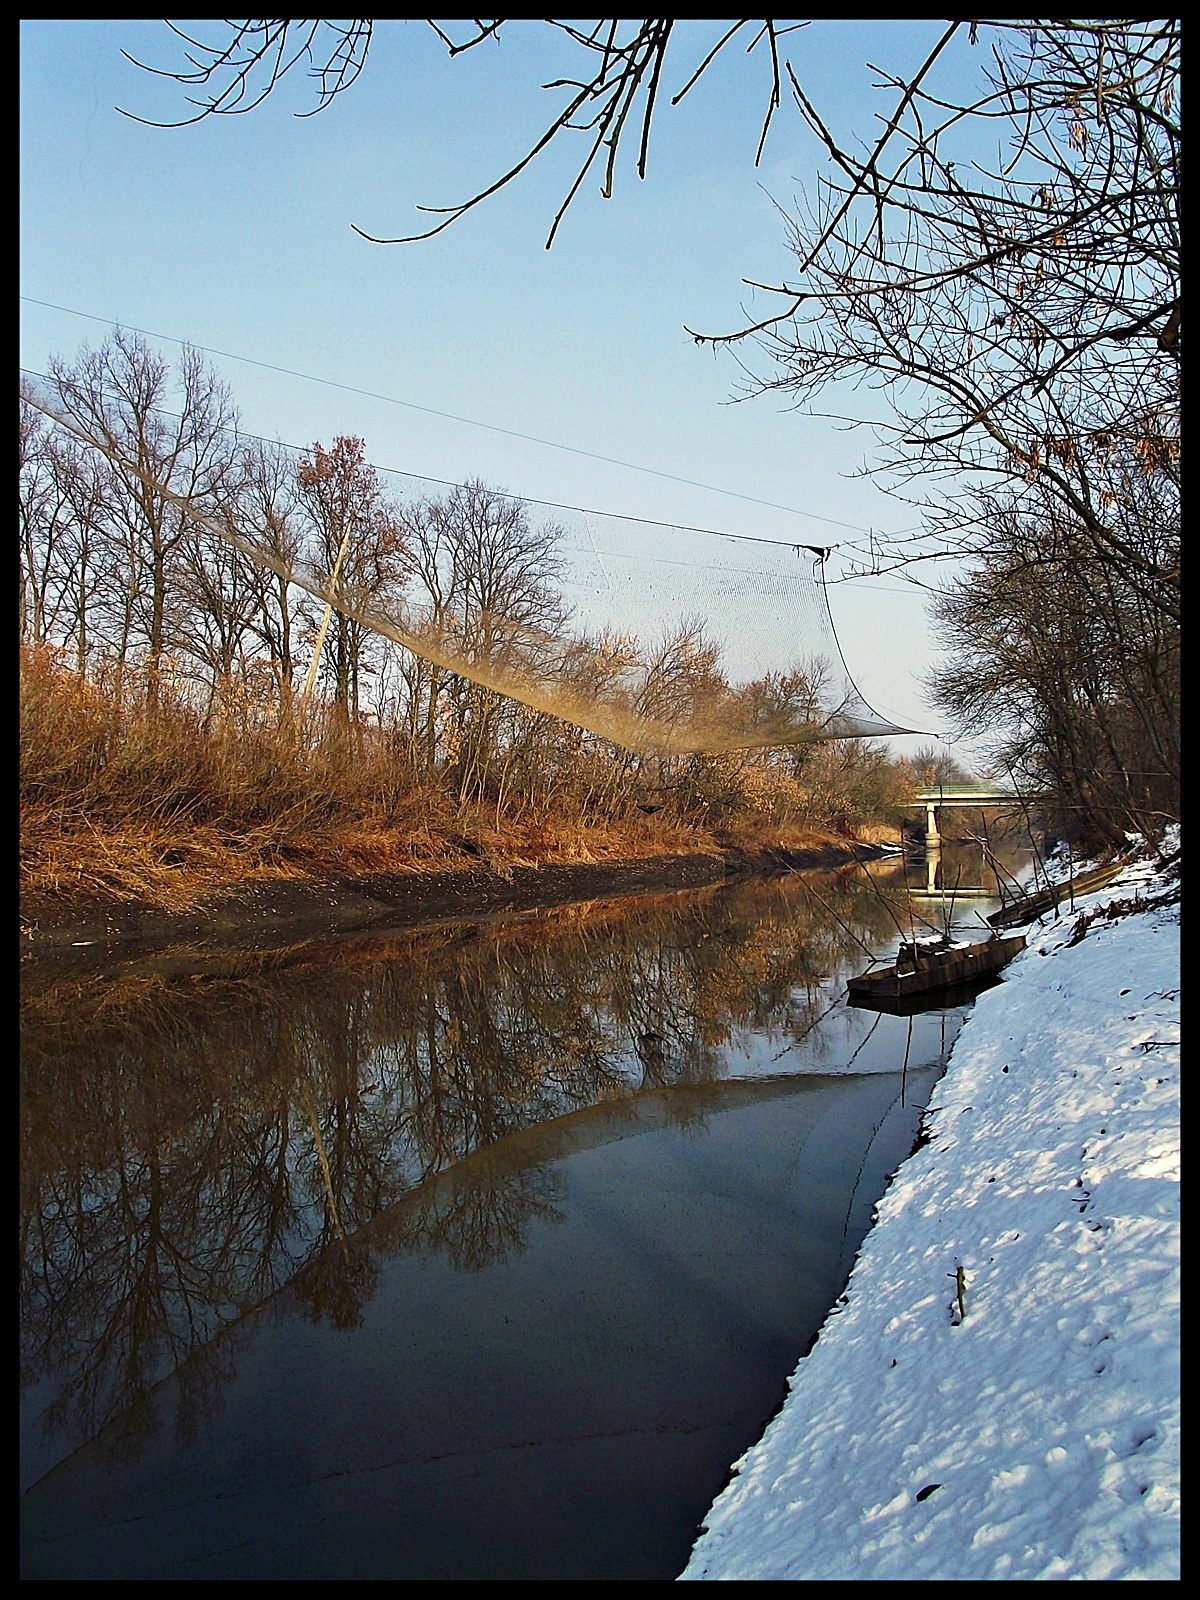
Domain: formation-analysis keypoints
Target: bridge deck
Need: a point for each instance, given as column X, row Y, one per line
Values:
column 965, row 797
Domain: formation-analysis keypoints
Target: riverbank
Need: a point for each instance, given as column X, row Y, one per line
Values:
column 145, row 819
column 996, row 1396
column 265, row 913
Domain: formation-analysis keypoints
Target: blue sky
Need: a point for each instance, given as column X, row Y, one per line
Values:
column 236, row 234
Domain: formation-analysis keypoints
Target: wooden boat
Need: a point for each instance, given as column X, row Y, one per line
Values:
column 951, row 997
column 923, row 965
column 1057, row 895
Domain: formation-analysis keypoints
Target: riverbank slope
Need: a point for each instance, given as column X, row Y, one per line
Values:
column 266, row 913
column 997, row 1394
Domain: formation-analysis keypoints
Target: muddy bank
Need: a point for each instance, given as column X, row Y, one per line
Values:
column 264, row 915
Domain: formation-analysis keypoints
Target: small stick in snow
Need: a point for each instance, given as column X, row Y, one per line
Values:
column 960, row 1283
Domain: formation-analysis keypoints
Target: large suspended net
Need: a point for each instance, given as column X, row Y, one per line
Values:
column 664, row 639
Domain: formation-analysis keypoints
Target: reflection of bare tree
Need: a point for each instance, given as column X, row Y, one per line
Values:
column 480, row 1217
column 171, row 1177
column 338, row 1282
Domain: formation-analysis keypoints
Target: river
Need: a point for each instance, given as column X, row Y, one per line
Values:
column 478, row 1252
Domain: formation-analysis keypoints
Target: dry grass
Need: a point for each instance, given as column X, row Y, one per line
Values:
column 165, row 805
column 169, row 807
column 879, row 833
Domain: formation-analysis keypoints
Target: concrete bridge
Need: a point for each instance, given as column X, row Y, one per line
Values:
column 934, row 796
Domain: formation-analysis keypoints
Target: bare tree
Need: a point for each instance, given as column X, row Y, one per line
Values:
column 181, row 438
column 88, row 489
column 359, row 548
column 506, row 612
column 45, row 521
column 220, row 597
column 681, row 677
column 620, row 66
column 1062, row 666
column 433, row 585
column 1021, row 313
column 267, row 507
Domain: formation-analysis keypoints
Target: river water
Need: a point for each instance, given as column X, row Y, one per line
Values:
column 478, row 1252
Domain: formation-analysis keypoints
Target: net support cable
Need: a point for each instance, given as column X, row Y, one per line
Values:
column 650, row 647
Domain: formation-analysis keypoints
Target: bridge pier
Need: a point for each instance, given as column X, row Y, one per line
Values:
column 932, row 837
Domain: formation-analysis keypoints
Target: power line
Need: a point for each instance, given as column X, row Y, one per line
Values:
column 472, row 422
column 551, row 505
column 519, row 687
column 525, row 499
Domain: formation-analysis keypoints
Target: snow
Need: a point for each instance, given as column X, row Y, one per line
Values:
column 1038, row 1437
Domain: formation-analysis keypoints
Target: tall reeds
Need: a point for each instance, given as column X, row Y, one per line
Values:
column 169, row 798
column 127, row 796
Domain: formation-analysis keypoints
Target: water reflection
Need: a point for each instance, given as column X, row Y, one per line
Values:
column 951, row 878
column 192, row 1146
column 567, row 1412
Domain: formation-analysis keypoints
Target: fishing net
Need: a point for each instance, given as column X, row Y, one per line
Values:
column 661, row 638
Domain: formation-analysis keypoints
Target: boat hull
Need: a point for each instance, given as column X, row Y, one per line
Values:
column 1047, row 901
column 940, row 971
column 913, row 1005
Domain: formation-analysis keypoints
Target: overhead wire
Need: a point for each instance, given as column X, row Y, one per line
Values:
column 473, row 422
column 552, row 505
column 623, row 719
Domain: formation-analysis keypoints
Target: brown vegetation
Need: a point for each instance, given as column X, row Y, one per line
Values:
column 158, row 801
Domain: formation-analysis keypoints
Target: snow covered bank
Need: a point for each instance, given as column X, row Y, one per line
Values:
column 1038, row 1436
